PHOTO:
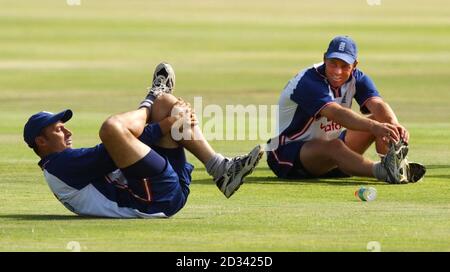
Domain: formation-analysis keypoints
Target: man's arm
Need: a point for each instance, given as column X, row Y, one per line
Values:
column 351, row 120
column 183, row 111
column 167, row 123
column 383, row 112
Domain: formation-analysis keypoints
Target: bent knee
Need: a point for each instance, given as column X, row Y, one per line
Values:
column 162, row 107
column 110, row 128
column 334, row 145
column 165, row 101
column 166, row 97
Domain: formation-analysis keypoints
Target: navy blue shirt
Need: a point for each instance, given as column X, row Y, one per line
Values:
column 81, row 179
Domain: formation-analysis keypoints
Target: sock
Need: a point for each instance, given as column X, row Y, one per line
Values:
column 216, row 166
column 379, row 172
column 148, row 101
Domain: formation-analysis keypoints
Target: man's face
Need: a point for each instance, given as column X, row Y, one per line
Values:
column 338, row 71
column 55, row 138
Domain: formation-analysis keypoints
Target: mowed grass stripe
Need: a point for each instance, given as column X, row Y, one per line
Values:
column 98, row 58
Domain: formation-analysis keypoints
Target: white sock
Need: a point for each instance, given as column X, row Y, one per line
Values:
column 216, row 166
column 379, row 172
column 147, row 103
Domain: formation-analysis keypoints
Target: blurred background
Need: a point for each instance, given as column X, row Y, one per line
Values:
column 97, row 58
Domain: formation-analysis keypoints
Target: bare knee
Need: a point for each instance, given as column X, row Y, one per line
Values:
column 165, row 101
column 162, row 107
column 111, row 127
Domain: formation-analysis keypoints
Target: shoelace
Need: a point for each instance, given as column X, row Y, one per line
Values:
column 404, row 166
column 159, row 80
column 388, row 161
column 398, row 152
column 236, row 164
column 157, row 90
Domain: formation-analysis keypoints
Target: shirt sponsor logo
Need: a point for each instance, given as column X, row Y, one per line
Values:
column 330, row 126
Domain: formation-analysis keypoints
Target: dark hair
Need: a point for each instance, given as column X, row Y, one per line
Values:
column 36, row 150
column 35, row 147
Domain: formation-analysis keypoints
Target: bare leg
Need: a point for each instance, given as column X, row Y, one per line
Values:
column 198, row 146
column 227, row 173
column 320, row 156
column 119, row 135
column 359, row 141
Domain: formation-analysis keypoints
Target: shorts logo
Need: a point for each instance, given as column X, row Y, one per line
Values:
column 342, row 46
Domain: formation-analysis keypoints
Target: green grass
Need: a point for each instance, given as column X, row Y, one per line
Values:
column 98, row 57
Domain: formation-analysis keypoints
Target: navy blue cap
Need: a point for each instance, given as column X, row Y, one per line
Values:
column 344, row 48
column 39, row 121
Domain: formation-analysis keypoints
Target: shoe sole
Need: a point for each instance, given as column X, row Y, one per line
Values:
column 256, row 155
column 416, row 171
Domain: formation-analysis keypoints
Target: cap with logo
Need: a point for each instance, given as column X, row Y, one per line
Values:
column 39, row 121
column 344, row 48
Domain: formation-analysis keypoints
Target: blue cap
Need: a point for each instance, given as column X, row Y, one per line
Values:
column 39, row 121
column 344, row 48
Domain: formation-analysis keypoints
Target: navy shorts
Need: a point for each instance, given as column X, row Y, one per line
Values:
column 166, row 192
column 285, row 162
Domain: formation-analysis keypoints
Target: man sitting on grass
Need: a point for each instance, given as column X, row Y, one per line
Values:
column 314, row 109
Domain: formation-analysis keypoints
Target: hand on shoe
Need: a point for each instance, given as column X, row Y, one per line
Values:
column 386, row 131
column 403, row 132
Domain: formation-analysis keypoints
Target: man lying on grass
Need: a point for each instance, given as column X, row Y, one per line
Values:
column 139, row 170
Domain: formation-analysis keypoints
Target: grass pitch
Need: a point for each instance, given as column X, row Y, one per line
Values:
column 97, row 58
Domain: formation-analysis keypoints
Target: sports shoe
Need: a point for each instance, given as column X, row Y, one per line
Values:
column 415, row 171
column 163, row 82
column 395, row 163
column 164, row 74
column 237, row 169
